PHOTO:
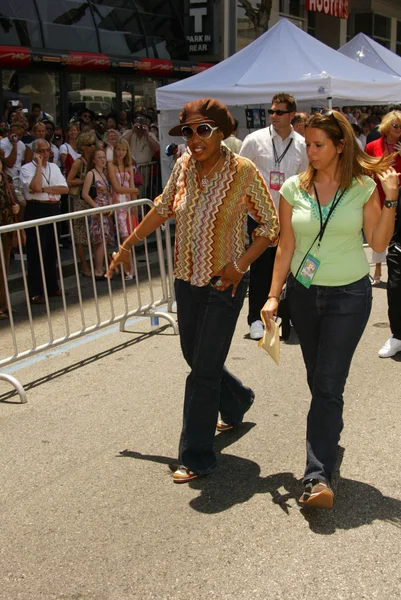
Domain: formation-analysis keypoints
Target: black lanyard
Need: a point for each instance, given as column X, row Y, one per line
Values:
column 122, row 180
column 278, row 158
column 46, row 179
column 322, row 225
column 332, row 207
column 105, row 181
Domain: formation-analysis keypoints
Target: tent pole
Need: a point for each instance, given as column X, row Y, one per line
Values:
column 330, row 99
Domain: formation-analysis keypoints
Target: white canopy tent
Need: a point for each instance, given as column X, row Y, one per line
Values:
column 372, row 54
column 284, row 59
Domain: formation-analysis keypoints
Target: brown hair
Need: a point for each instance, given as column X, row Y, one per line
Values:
column 388, row 120
column 91, row 161
column 287, row 98
column 300, row 117
column 16, row 125
column 354, row 162
column 127, row 158
column 69, row 127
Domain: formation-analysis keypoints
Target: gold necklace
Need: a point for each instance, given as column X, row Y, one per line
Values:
column 205, row 181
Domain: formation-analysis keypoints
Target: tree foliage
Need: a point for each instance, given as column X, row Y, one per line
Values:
column 259, row 16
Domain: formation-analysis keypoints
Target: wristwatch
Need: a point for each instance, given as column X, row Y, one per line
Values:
column 390, row 203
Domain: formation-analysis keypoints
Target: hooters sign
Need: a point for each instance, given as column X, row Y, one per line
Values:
column 335, row 8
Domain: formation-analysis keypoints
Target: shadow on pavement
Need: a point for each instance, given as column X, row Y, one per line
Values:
column 355, row 504
column 236, row 480
column 83, row 363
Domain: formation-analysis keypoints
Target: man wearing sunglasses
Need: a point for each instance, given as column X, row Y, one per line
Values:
column 278, row 152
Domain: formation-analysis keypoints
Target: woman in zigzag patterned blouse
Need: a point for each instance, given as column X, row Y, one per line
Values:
column 210, row 192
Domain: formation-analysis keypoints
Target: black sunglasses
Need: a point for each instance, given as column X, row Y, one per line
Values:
column 89, row 145
column 278, row 112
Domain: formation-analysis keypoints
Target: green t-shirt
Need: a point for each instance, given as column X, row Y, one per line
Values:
column 342, row 257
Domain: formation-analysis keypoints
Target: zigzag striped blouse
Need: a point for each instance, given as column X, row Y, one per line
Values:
column 210, row 220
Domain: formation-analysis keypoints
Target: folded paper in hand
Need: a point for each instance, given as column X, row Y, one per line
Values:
column 271, row 340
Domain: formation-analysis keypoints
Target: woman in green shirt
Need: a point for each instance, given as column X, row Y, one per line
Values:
column 322, row 214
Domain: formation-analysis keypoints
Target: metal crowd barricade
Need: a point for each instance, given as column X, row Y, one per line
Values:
column 84, row 306
column 151, row 176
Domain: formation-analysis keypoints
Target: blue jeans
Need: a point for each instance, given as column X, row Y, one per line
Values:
column 207, row 320
column 329, row 321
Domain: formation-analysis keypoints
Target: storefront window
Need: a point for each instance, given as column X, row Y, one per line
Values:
column 312, row 23
column 40, row 87
column 167, row 8
column 139, row 93
column 363, row 23
column 68, row 24
column 398, row 44
column 19, row 24
column 381, row 28
column 294, row 8
column 97, row 92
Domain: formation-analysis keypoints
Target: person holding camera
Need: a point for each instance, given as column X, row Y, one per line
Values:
column 14, row 150
column 143, row 143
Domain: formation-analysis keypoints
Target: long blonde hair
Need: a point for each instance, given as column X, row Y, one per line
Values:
column 127, row 158
column 354, row 162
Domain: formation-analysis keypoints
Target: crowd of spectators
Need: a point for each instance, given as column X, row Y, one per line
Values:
column 71, row 150
column 35, row 150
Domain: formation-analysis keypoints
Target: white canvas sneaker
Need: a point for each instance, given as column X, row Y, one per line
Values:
column 256, row 331
column 390, row 348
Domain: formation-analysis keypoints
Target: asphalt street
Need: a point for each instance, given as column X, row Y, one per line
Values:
column 89, row 510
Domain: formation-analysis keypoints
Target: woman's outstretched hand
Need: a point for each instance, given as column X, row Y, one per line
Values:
column 118, row 258
column 390, row 183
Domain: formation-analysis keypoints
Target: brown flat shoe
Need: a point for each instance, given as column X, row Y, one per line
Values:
column 317, row 494
column 184, row 475
column 222, row 426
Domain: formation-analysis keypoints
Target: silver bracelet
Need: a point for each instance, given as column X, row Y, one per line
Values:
column 137, row 236
column 236, row 267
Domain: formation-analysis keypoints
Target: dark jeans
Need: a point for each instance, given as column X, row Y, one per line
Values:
column 48, row 245
column 329, row 322
column 207, row 320
column 394, row 289
column 261, row 274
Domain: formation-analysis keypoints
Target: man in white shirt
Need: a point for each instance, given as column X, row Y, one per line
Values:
column 278, row 152
column 143, row 143
column 43, row 184
column 14, row 150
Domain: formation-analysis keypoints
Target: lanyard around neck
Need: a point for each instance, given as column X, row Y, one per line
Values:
column 105, row 181
column 335, row 203
column 277, row 158
column 44, row 175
